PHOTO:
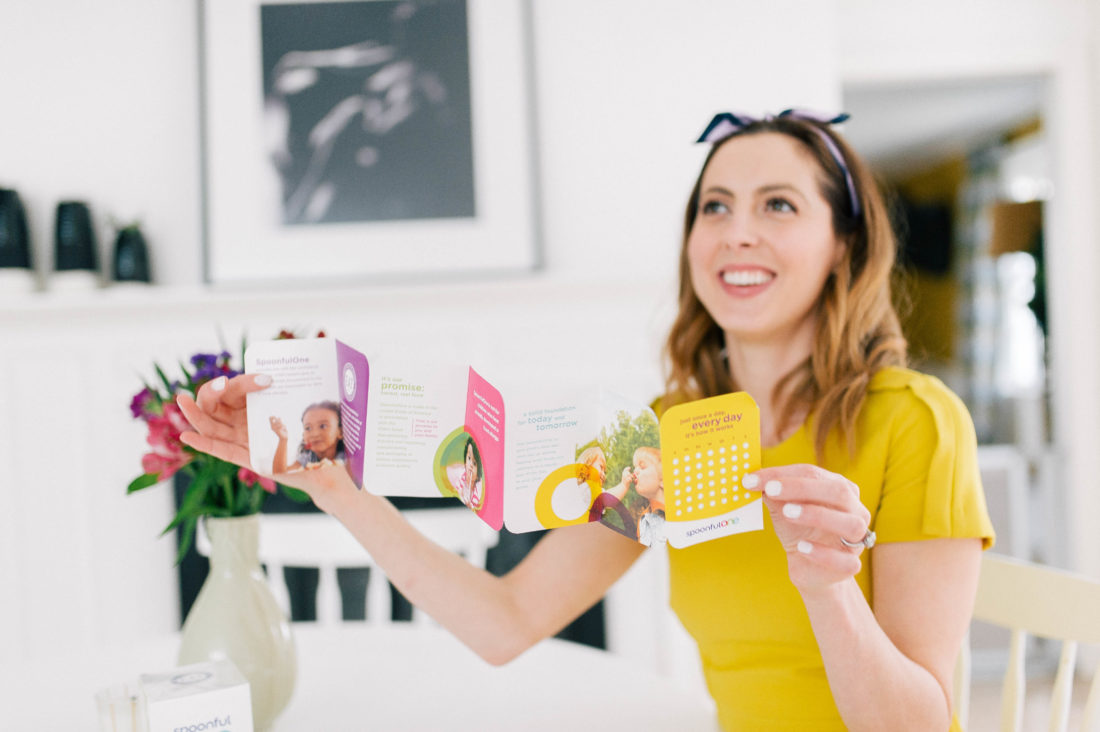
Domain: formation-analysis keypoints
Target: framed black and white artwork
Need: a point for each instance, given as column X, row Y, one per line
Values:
column 361, row 140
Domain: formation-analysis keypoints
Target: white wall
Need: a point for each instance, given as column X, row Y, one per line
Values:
column 624, row 89
column 893, row 40
column 99, row 102
column 890, row 42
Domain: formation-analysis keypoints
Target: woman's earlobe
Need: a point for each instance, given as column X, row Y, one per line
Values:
column 841, row 254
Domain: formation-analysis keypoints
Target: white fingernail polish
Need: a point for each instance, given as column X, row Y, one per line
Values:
column 792, row 510
column 261, row 380
column 805, row 547
column 218, row 384
column 750, row 481
column 773, row 488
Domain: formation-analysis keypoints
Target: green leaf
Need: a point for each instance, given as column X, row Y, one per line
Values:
column 239, row 499
column 186, row 373
column 252, row 497
column 142, row 481
column 227, row 491
column 298, row 496
column 194, row 500
column 164, row 379
column 246, row 499
column 187, row 537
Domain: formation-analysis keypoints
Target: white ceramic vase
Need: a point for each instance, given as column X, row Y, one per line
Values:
column 235, row 616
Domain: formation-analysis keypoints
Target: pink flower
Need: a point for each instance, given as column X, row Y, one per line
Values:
column 168, row 454
column 175, row 416
column 161, row 465
column 163, row 438
column 248, row 477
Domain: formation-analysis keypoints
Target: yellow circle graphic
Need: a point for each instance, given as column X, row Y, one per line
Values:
column 544, row 509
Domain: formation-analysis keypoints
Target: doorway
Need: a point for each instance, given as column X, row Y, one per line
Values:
column 967, row 165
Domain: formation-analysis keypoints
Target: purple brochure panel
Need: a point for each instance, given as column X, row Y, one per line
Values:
column 354, row 377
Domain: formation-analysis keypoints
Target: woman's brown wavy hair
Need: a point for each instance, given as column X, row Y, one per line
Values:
column 858, row 331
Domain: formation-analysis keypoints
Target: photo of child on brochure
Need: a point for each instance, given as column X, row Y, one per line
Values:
column 460, row 471
column 320, row 440
column 627, row 458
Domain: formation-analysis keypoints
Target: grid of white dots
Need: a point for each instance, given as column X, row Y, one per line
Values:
column 701, row 491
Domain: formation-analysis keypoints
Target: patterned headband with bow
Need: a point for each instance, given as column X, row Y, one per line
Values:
column 726, row 124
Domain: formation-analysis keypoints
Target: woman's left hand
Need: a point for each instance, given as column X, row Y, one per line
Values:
column 812, row 510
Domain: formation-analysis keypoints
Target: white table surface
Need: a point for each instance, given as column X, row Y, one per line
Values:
column 354, row 677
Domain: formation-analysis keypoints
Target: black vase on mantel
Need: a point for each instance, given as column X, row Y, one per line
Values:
column 76, row 257
column 74, row 241
column 15, row 249
column 131, row 257
column 16, row 264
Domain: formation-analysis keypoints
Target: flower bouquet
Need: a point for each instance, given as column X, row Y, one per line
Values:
column 217, row 488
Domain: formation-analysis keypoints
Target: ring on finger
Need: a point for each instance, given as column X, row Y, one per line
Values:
column 866, row 542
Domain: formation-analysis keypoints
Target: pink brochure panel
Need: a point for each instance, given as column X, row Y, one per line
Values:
column 485, row 423
column 354, row 374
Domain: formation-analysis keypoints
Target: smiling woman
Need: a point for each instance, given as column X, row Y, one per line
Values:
column 784, row 294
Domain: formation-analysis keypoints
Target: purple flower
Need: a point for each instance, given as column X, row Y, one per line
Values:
column 202, row 359
column 205, row 374
column 209, row 366
column 144, row 404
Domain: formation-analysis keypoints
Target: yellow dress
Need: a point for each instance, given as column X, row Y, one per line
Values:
column 916, row 466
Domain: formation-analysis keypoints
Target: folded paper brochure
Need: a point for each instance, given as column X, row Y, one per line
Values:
column 536, row 458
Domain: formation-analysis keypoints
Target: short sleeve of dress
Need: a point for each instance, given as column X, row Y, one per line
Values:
column 932, row 487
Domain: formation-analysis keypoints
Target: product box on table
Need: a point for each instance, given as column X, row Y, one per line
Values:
column 211, row 696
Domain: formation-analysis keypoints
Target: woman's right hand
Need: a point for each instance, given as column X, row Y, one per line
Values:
column 219, row 417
